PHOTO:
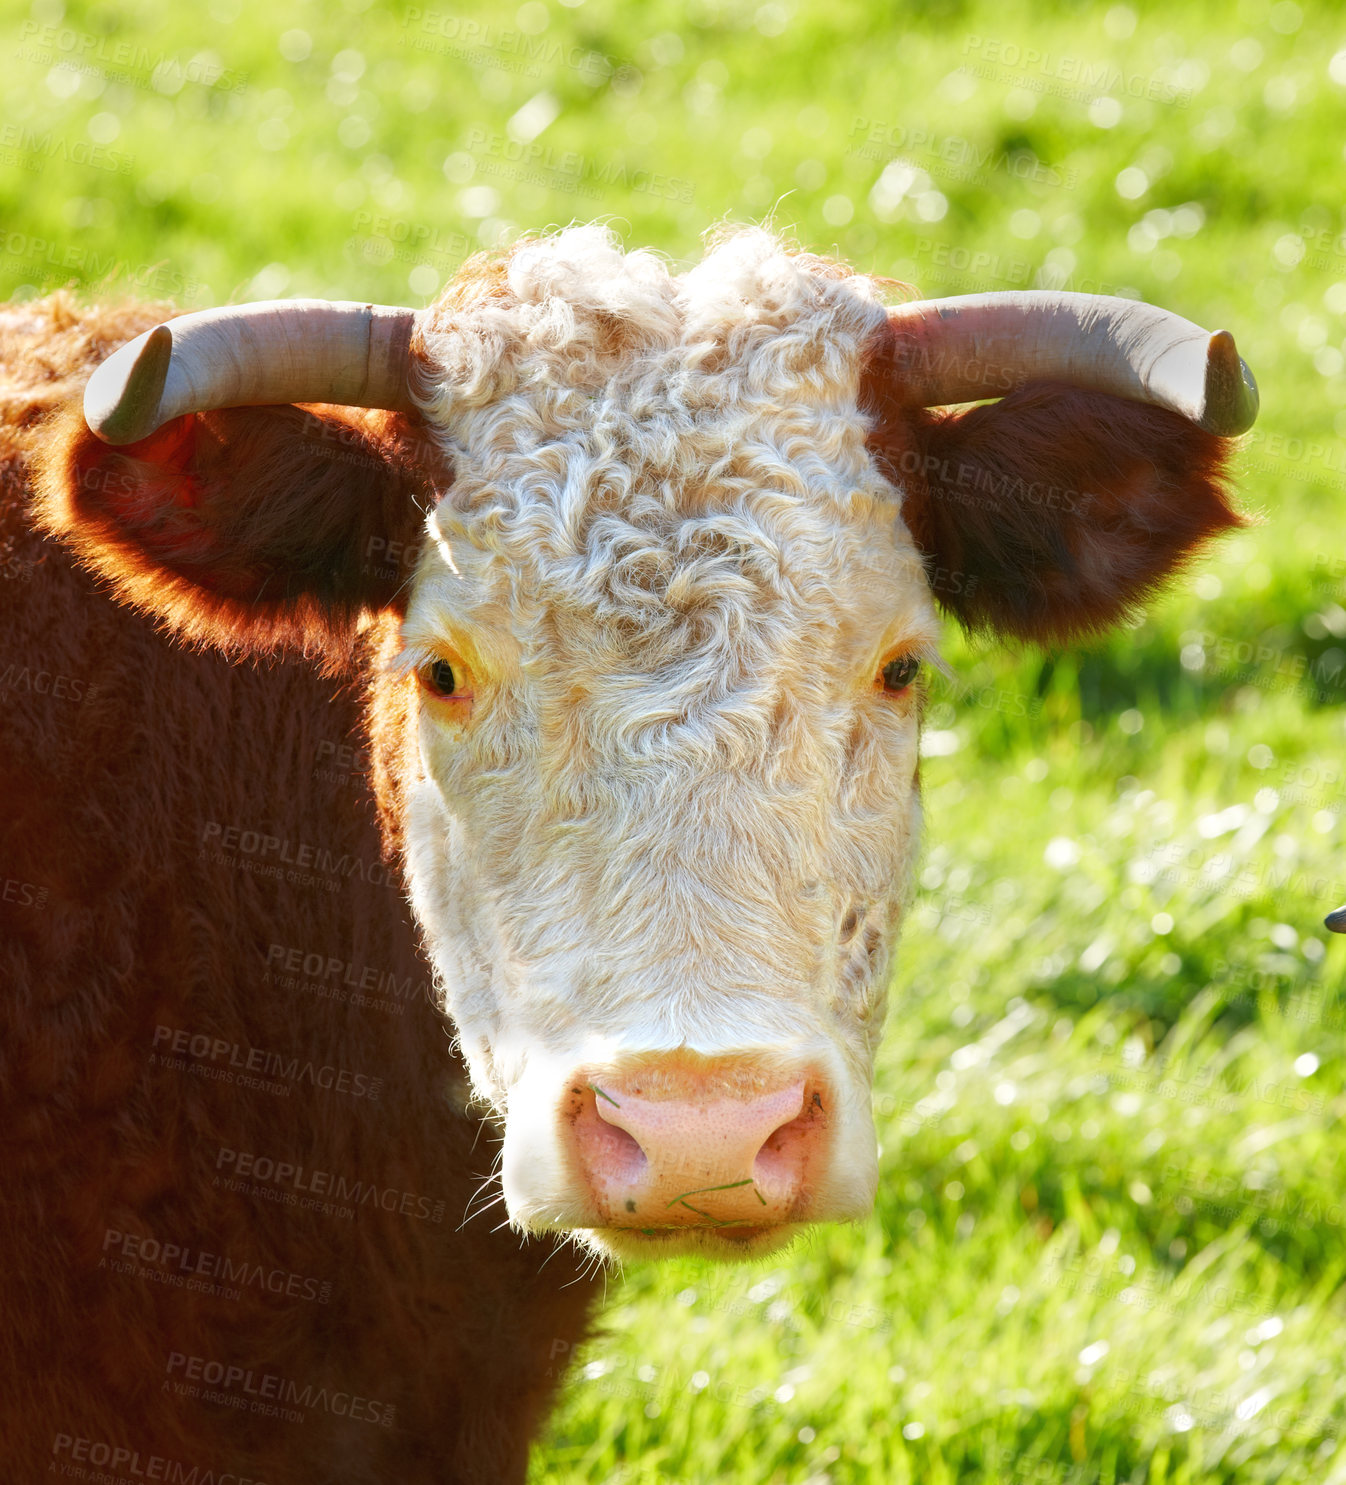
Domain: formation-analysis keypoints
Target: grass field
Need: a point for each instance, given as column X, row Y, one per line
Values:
column 1108, row 1244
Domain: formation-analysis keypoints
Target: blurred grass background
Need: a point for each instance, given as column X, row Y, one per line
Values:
column 1109, row 1241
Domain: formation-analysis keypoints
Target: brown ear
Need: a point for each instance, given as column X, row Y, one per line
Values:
column 1055, row 511
column 249, row 528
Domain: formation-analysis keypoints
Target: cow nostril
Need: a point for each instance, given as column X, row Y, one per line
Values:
column 783, row 1156
column 611, row 1149
column 626, row 1149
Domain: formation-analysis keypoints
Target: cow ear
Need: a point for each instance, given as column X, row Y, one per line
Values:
column 251, row 529
column 1054, row 512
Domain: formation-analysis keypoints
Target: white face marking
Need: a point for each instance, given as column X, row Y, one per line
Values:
column 677, row 811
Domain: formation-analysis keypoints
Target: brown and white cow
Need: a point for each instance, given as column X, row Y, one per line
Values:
column 636, row 572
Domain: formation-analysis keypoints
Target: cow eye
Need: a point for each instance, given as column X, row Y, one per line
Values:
column 442, row 678
column 899, row 673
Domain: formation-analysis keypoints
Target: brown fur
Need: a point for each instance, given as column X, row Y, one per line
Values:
column 120, row 751
column 1054, row 512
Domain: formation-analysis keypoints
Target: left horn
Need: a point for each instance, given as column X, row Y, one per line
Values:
column 984, row 345
column 247, row 355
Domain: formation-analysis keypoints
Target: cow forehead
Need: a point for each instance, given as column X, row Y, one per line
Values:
column 649, row 468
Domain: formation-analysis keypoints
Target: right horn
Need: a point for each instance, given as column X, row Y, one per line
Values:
column 975, row 346
column 249, row 355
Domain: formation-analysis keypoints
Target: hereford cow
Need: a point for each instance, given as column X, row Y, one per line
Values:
column 616, row 586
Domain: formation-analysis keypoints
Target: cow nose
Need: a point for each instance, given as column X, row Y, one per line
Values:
column 719, row 1144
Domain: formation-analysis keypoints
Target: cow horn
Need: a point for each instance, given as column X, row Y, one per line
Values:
column 984, row 345
column 246, row 355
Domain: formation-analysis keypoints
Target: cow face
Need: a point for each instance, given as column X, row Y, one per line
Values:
column 666, row 631
column 656, row 691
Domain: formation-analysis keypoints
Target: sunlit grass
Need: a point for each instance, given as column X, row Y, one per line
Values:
column 1109, row 1236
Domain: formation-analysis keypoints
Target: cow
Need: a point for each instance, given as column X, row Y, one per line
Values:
column 237, row 1151
column 612, row 588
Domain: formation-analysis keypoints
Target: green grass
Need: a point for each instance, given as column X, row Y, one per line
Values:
column 1108, row 1244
